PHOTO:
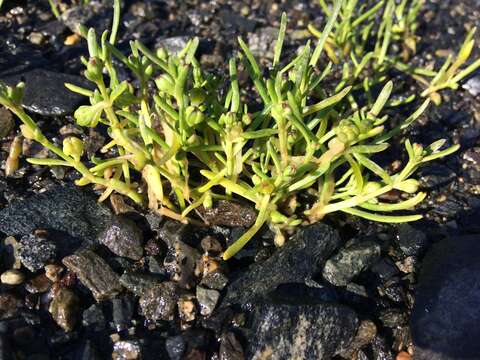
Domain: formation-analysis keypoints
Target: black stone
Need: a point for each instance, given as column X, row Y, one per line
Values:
column 411, row 241
column 46, row 94
column 122, row 310
column 70, row 215
column 445, row 317
column 36, row 251
column 124, row 238
column 298, row 260
column 301, row 332
column 93, row 318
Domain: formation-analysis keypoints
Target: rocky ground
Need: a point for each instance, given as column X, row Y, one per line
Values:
column 81, row 280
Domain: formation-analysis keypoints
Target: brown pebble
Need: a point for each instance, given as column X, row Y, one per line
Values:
column 53, row 272
column 403, row 356
column 71, row 39
column 211, row 245
column 12, row 277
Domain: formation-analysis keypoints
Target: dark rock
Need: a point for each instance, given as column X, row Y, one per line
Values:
column 434, row 175
column 46, row 94
column 123, row 237
column 219, row 320
column 9, row 306
column 445, row 316
column 385, row 269
column 70, row 215
column 138, row 283
column 214, row 280
column 173, row 231
column 410, row 240
column 365, row 334
column 230, row 348
column 94, row 273
column 298, row 260
column 85, row 351
column 122, row 310
column 393, row 318
column 301, row 332
column 64, row 308
column 159, row 302
column 228, row 213
column 93, row 318
column 6, row 351
column 36, row 251
column 207, row 300
column 237, row 22
column 176, row 346
column 6, row 122
column 96, row 15
column 39, row 284
column 380, row 349
column 357, row 256
column 301, row 294
column 130, row 350
column 180, row 263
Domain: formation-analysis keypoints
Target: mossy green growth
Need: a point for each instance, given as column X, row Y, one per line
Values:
column 181, row 137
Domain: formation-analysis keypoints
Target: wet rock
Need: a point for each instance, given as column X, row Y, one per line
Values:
column 180, row 263
column 357, row 256
column 175, row 347
column 312, row 244
column 126, row 350
column 393, row 318
column 122, row 310
column 36, row 251
column 301, row 332
column 207, row 300
column 93, row 318
column 9, row 306
column 214, row 280
column 96, row 15
column 65, row 308
column 6, row 122
column 39, row 284
column 410, row 240
column 472, row 85
column 46, row 94
column 445, row 316
column 159, row 302
column 228, row 213
column 435, row 175
column 365, row 334
column 94, row 273
column 138, row 283
column 380, row 349
column 230, row 348
column 123, row 238
column 71, row 216
column 12, row 277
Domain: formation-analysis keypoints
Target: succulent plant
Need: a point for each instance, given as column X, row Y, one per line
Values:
column 191, row 137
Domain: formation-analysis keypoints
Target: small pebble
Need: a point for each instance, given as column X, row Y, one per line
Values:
column 53, row 272
column 403, row 356
column 12, row 277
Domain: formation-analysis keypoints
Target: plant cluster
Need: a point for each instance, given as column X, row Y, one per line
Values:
column 191, row 138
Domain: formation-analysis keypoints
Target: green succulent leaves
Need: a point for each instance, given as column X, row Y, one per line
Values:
column 189, row 138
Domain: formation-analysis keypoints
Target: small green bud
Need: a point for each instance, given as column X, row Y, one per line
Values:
column 194, row 116
column 165, row 83
column 149, row 70
column 246, row 119
column 73, row 147
column 94, row 70
column 197, row 96
column 371, row 187
column 162, row 54
column 409, row 186
column 208, row 201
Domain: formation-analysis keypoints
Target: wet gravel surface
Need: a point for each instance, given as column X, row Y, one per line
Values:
column 82, row 280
